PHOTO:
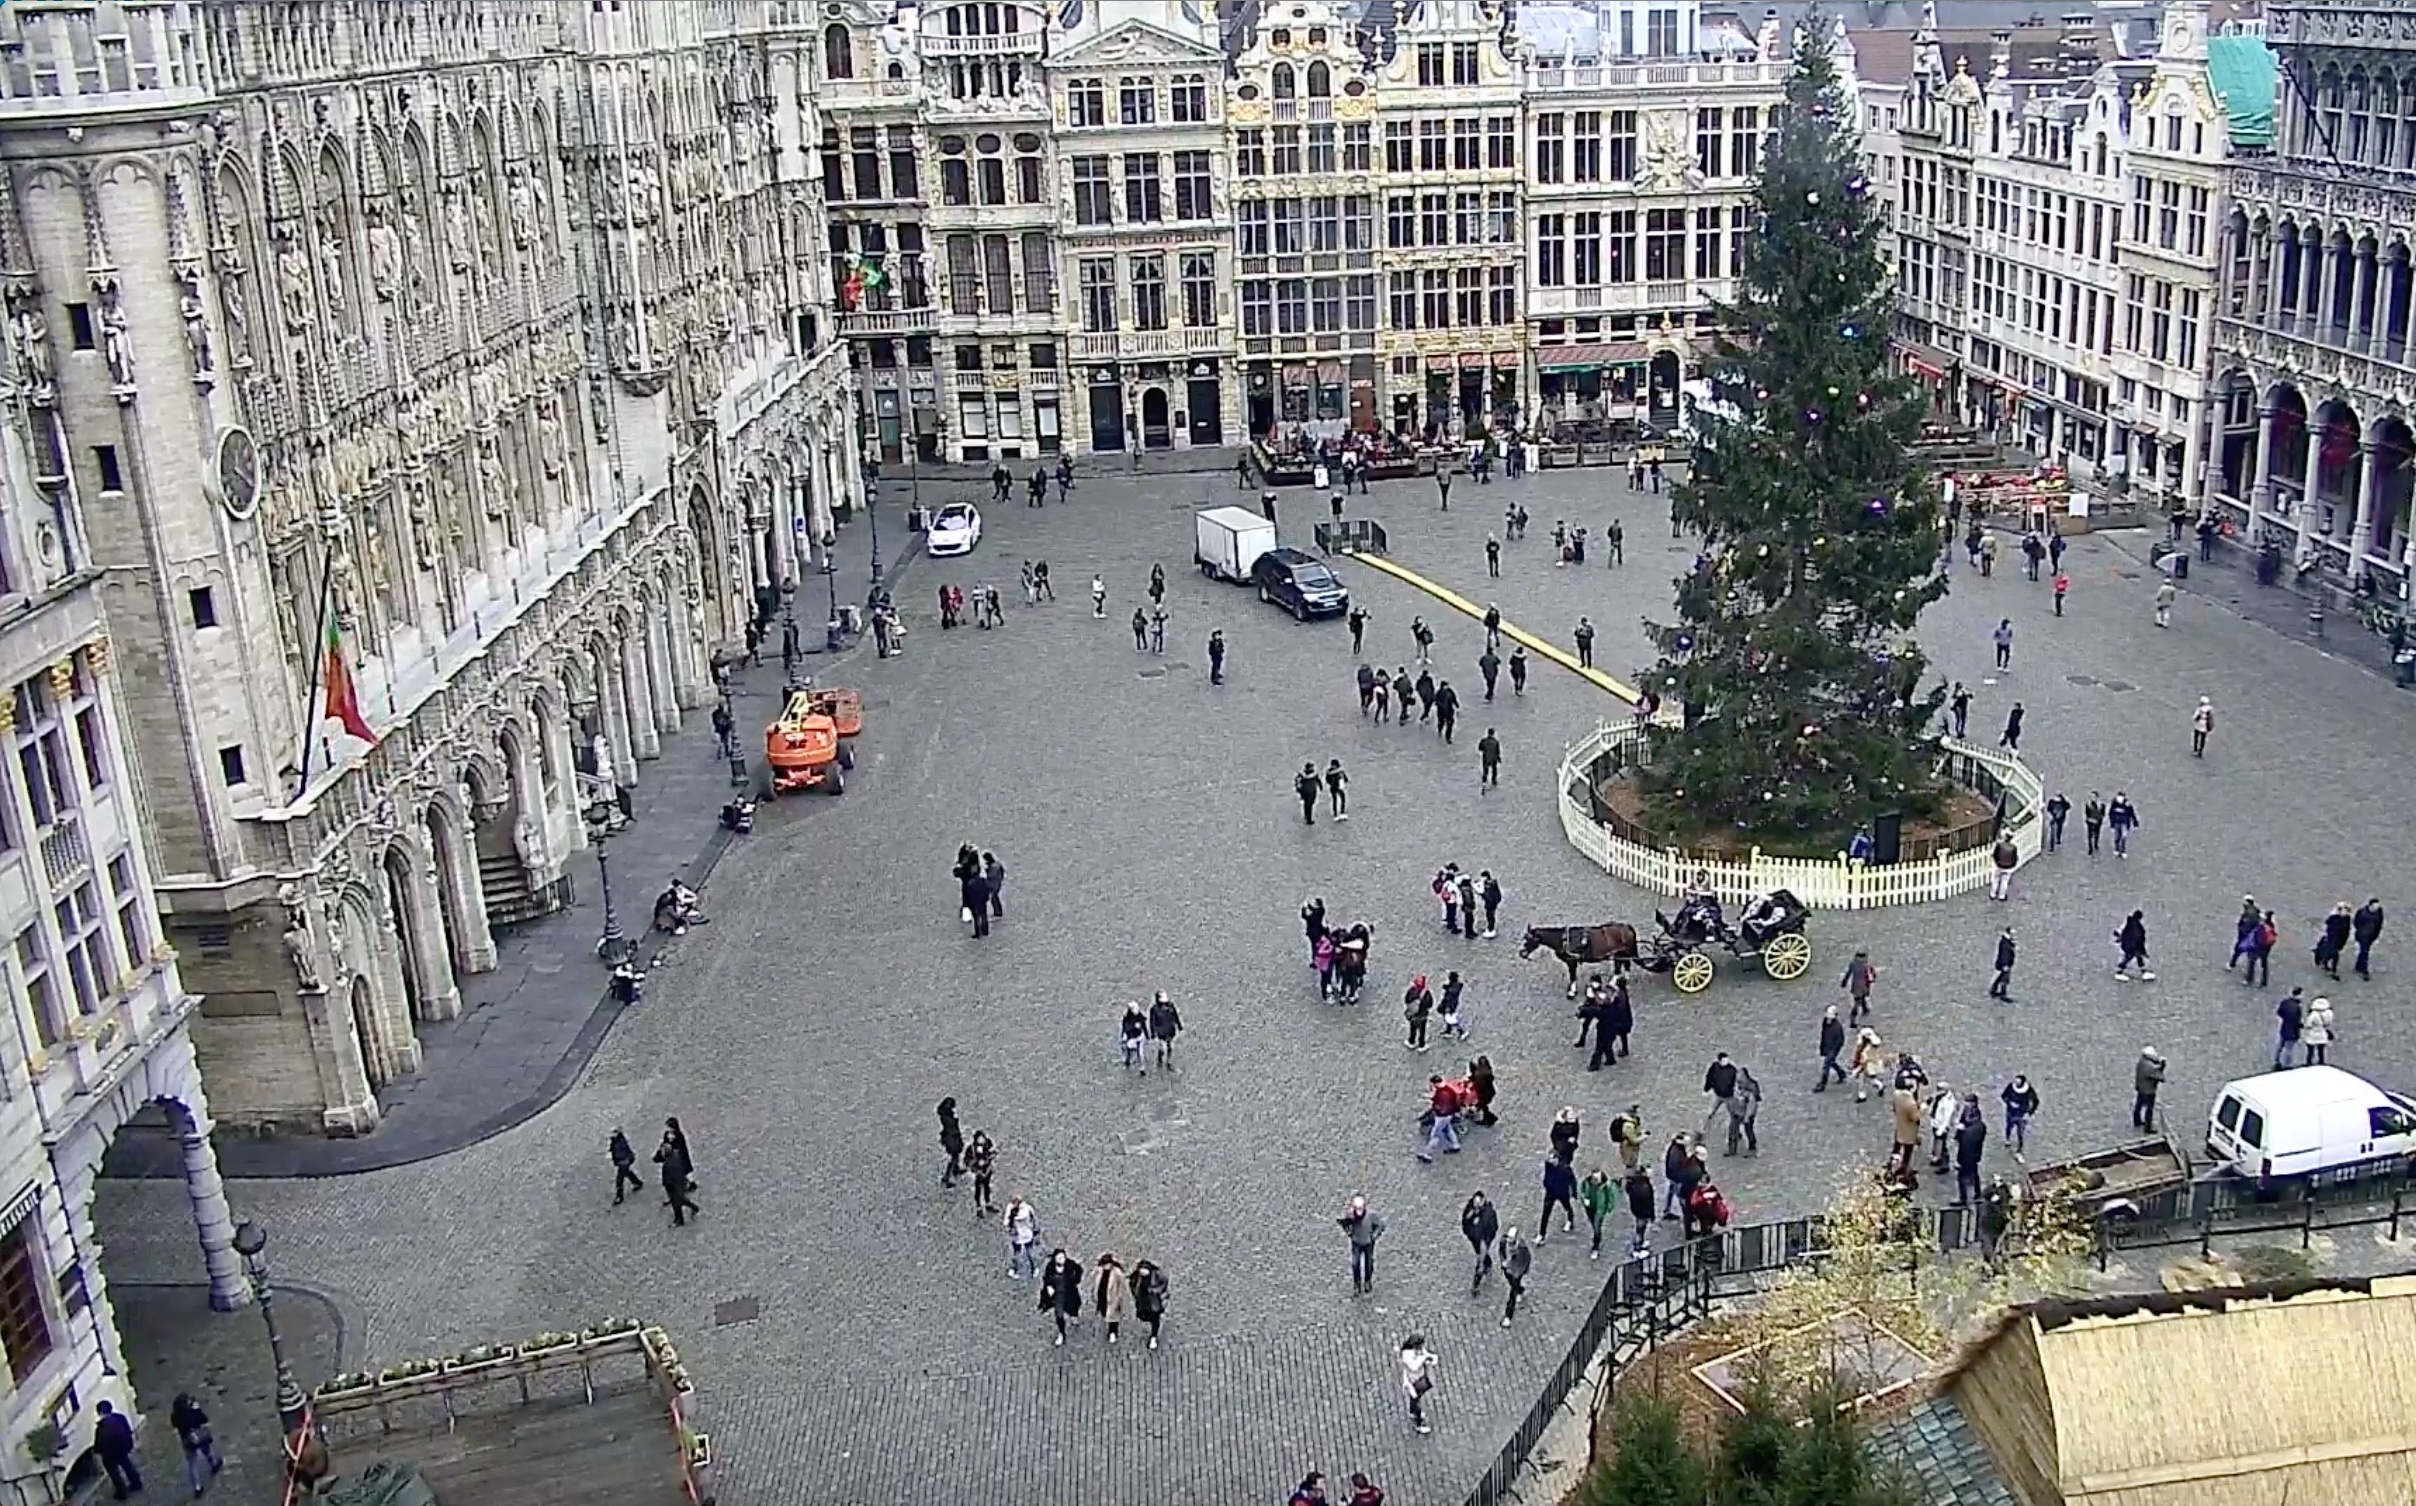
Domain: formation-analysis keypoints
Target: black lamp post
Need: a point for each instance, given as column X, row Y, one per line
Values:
column 612, row 948
column 251, row 1242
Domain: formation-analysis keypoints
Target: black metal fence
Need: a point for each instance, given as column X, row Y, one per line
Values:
column 1356, row 535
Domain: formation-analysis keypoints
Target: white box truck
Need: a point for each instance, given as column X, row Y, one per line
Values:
column 1230, row 541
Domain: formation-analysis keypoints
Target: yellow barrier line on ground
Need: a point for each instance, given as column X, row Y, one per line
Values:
column 1510, row 630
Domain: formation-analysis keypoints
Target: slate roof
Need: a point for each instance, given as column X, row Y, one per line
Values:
column 1941, row 1457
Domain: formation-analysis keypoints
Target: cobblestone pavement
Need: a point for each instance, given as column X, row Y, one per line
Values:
column 223, row 1360
column 1147, row 821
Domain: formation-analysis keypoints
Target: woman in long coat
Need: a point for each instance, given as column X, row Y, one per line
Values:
column 1149, row 1296
column 1112, row 1295
column 1061, row 1289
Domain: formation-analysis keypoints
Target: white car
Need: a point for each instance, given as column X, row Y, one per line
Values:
column 955, row 530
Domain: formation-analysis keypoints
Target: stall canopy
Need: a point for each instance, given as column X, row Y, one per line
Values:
column 1588, row 357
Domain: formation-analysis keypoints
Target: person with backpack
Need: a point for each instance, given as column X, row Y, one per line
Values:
column 1165, row 1023
column 1598, row 1196
column 2261, row 943
column 1416, row 1005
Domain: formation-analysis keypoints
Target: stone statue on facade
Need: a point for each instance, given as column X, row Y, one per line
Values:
column 301, row 950
column 550, row 449
column 32, row 335
column 385, row 260
column 482, row 211
column 528, row 839
column 494, row 487
column 331, row 272
column 117, row 343
column 524, row 209
column 460, row 241
column 417, row 505
column 415, row 255
column 196, row 316
column 293, row 282
column 1669, row 161
column 231, row 309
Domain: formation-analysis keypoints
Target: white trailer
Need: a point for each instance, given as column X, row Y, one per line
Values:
column 1230, row 541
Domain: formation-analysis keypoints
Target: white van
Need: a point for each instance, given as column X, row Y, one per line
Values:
column 2306, row 1120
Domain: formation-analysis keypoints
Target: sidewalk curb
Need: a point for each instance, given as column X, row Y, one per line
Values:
column 286, row 1288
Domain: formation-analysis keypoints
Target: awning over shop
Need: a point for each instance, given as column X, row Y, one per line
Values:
column 1589, row 357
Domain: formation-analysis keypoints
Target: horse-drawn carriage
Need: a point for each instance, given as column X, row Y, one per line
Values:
column 1771, row 932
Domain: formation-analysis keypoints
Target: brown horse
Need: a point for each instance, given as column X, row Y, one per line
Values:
column 1577, row 946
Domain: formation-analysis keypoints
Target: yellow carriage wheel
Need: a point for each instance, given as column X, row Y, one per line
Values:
column 1787, row 955
column 1692, row 972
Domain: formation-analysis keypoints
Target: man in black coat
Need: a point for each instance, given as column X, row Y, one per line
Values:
column 1480, row 1226
column 2366, row 926
column 1446, row 708
column 1971, row 1138
column 1611, row 1028
column 625, row 1179
column 974, row 895
column 2001, row 987
column 1832, row 1043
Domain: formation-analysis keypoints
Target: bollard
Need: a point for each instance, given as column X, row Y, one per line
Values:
column 2403, row 667
column 2315, row 621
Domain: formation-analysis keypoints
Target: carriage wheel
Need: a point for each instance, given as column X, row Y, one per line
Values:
column 1786, row 955
column 1692, row 973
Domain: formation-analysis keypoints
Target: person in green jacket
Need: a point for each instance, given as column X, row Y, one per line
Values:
column 1600, row 1195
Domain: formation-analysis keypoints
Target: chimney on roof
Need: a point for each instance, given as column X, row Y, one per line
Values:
column 2078, row 54
column 2000, row 52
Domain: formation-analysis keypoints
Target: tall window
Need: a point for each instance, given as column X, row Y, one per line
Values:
column 1664, row 245
column 84, row 947
column 1467, row 219
column 1400, row 154
column 1039, row 272
column 2196, row 241
column 1745, row 140
column 1501, row 295
column 1550, row 147
column 1400, row 221
column 43, row 762
column 1141, row 202
column 1325, row 305
column 1258, row 309
column 1501, row 141
column 1707, row 243
column 1358, row 148
column 990, row 173
column 1467, row 144
column 1358, row 222
column 1287, row 151
column 1434, row 146
column 1290, row 237
column 1709, row 156
column 1661, row 33
column 1401, row 296
column 964, row 275
column 1099, row 294
column 1359, row 303
column 33, row 975
column 904, row 181
column 838, row 52
column 1086, row 102
column 1434, row 219
column 1291, row 305
column 998, row 274
column 1321, row 148
column 1094, row 198
column 1463, row 63
column 2168, row 215
column 1430, row 65
column 1585, row 164
column 1188, row 96
column 1199, row 290
column 133, row 917
column 2142, row 203
column 864, row 153
column 1551, row 250
column 1191, row 186
column 1619, row 147
column 2185, row 335
column 1030, row 188
column 1137, row 101
column 24, row 1319
column 1250, row 226
column 1501, row 217
column 1250, row 153
column 1434, row 299
column 1587, row 243
column 1325, row 223
column 1149, row 292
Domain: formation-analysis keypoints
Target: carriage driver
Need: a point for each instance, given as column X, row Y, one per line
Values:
column 1700, row 913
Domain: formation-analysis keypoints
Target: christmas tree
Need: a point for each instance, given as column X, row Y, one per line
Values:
column 1791, row 650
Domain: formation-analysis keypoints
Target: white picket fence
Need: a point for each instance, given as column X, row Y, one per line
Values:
column 1824, row 884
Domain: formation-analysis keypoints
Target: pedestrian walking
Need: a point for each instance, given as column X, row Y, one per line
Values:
column 2063, row 588
column 1417, row 1361
column 1111, row 1295
column 1720, row 1085
column 1489, row 892
column 1417, row 1002
column 2003, row 858
column 625, row 1179
column 1365, row 1492
column 1362, row 1226
column 1489, row 665
column 973, row 894
column 2122, row 819
column 2032, row 552
column 1023, row 1236
column 2366, row 927
column 1480, row 1225
column 981, row 1160
column 1493, row 557
column 2290, row 1017
column 194, row 1438
column 2333, row 940
column 1446, row 709
column 2093, row 820
column 1905, row 1118
column 1585, row 642
column 1422, row 637
column 2001, row 987
column 1358, row 622
column 1165, row 1023
column 1489, row 761
column 1061, row 1290
column 2058, row 808
column 2202, row 722
column 679, row 1181
column 1157, row 630
column 2011, row 739
column 2315, row 1034
column 1446, row 888
column 1959, row 704
column 1598, row 1195
column 113, row 1440
column 1140, row 627
column 1133, row 1033
column 1517, row 1260
column 2147, row 1075
column 1638, row 1186
column 1971, row 1142
column 1832, row 1045
column 1618, row 1019
column 1337, row 786
column 1099, row 597
column 1216, row 657
column 1560, row 1191
column 1493, row 626
column 1614, row 543
column 1451, row 1007
column 1148, row 1281
column 1443, row 485
column 2166, row 592
column 1859, row 976
column 2021, row 1102
column 952, row 1142
column 2131, row 937
column 1305, row 784
column 2003, row 638
column 1312, row 923
column 1869, row 1062
column 1744, row 1106
column 1518, row 669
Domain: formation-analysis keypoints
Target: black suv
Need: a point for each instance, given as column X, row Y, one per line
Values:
column 1301, row 584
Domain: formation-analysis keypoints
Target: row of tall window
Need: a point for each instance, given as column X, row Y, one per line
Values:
column 2170, row 215
column 1453, row 298
column 1314, row 225
column 1273, row 306
column 1458, row 144
column 2359, row 116
column 1139, row 100
column 1144, row 297
column 2062, row 222
column 1466, row 217
column 1289, row 151
column 1594, row 248
column 993, row 273
column 1150, row 195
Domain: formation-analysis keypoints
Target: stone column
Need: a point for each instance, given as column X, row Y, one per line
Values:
column 659, row 677
column 424, row 930
column 2369, row 484
column 644, row 738
column 2306, row 517
column 213, row 1221
column 2313, row 284
column 613, row 710
column 2361, row 304
column 457, row 860
column 2260, row 492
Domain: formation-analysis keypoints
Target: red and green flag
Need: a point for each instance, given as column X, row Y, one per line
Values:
column 339, row 701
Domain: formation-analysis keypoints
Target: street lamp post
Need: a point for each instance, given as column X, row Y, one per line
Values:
column 251, row 1242
column 612, row 948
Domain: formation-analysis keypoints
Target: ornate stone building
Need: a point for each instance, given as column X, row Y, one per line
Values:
column 2316, row 374
column 1138, row 89
column 486, row 349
